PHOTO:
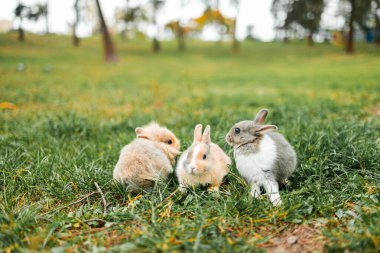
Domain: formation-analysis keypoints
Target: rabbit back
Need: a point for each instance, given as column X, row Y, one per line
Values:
column 141, row 163
column 286, row 159
column 220, row 158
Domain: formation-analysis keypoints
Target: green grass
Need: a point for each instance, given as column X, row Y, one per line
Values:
column 71, row 122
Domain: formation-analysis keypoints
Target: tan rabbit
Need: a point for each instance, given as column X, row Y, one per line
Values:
column 204, row 163
column 147, row 158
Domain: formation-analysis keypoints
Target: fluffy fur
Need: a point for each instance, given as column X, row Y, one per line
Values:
column 204, row 163
column 147, row 158
column 263, row 157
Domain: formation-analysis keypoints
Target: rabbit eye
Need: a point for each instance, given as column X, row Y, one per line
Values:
column 170, row 142
column 237, row 130
column 204, row 157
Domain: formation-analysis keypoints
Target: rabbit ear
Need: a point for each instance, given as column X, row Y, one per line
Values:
column 206, row 135
column 140, row 133
column 266, row 128
column 260, row 116
column 198, row 133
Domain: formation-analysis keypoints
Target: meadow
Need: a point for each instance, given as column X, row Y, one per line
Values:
column 70, row 114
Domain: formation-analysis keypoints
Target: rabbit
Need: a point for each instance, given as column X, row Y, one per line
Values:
column 203, row 163
column 263, row 157
column 149, row 157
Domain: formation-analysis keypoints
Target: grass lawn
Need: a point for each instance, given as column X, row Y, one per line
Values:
column 72, row 114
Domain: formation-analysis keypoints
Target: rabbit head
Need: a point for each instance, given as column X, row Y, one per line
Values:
column 165, row 139
column 198, row 160
column 249, row 131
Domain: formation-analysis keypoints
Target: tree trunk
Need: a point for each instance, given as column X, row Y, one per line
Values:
column 21, row 34
column 235, row 41
column 286, row 36
column 156, row 45
column 310, row 40
column 181, row 37
column 123, row 34
column 76, row 40
column 110, row 55
column 220, row 23
column 350, row 39
column 377, row 27
column 47, row 18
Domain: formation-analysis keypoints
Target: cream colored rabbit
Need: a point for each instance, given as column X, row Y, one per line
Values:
column 147, row 158
column 204, row 163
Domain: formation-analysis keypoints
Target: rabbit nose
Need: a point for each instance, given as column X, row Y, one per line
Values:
column 192, row 169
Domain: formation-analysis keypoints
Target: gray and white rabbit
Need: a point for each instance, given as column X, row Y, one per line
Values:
column 263, row 157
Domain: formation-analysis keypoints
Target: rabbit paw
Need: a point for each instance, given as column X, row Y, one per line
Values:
column 255, row 191
column 285, row 182
column 276, row 201
column 182, row 188
column 213, row 189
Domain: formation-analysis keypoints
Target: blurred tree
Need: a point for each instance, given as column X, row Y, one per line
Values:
column 221, row 30
column 83, row 13
column 377, row 22
column 33, row 13
column 109, row 50
column 307, row 14
column 21, row 12
column 181, row 30
column 36, row 12
column 181, row 36
column 156, row 5
column 178, row 27
column 212, row 7
column 235, row 41
column 368, row 19
column 290, row 15
column 214, row 17
column 76, row 40
column 250, row 32
column 131, row 16
column 45, row 13
column 350, row 38
column 357, row 12
column 280, row 9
